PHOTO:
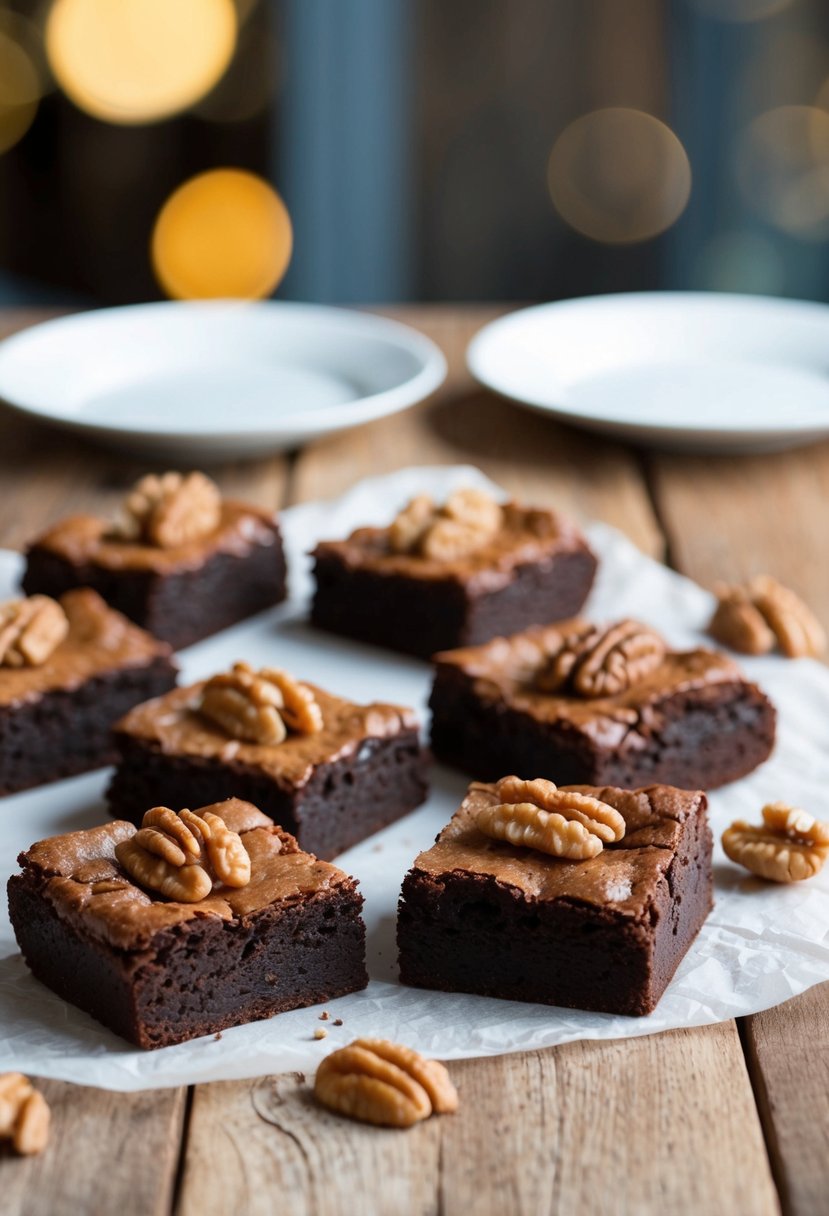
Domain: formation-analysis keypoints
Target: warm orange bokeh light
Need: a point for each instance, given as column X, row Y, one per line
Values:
column 137, row 61
column 19, row 91
column 224, row 234
column 619, row 176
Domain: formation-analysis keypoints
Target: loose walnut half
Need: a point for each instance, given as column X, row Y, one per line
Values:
column 384, row 1083
column 538, row 815
column 465, row 522
column 752, row 619
column 24, row 1114
column 594, row 662
column 260, row 706
column 790, row 846
column 180, row 855
column 171, row 510
column 30, row 630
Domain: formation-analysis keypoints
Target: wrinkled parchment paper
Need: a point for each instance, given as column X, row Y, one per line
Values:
column 761, row 945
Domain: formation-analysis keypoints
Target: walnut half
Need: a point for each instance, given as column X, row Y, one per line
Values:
column 752, row 619
column 24, row 1114
column 180, row 855
column 538, row 815
column 171, row 510
column 602, row 662
column 384, row 1083
column 790, row 846
column 30, row 630
column 260, row 706
column 465, row 522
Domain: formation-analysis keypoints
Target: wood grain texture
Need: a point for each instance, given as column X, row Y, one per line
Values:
column 655, row 1125
column 729, row 518
column 788, row 1057
column 108, row 1154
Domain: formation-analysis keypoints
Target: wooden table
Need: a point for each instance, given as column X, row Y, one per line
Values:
column 732, row 1118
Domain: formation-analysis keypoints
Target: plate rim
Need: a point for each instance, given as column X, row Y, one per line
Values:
column 430, row 375
column 667, row 430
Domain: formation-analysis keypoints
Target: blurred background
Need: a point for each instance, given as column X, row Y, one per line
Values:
column 425, row 149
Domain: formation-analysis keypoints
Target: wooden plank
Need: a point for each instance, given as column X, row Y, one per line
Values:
column 652, row 1125
column 728, row 518
column 108, row 1153
column 531, row 456
column 788, row 1056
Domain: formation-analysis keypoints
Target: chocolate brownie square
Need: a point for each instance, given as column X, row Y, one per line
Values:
column 56, row 716
column 198, row 581
column 157, row 971
column 361, row 770
column 484, row 916
column 394, row 588
column 690, row 720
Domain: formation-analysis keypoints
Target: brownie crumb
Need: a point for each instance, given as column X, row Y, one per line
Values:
column 338, row 1022
column 325, row 1015
column 217, row 1035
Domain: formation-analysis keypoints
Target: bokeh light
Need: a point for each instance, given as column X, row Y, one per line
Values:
column 20, row 89
column 783, row 169
column 741, row 10
column 137, row 61
column 224, row 234
column 619, row 175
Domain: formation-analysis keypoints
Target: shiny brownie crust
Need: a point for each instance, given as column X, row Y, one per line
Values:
column 465, row 931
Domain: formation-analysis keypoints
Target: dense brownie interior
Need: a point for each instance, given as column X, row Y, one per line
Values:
column 482, row 916
column 158, row 972
column 56, row 719
column 538, row 568
column 693, row 722
column 365, row 769
column 180, row 595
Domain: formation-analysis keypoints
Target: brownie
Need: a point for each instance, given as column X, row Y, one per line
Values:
column 482, row 916
column 56, row 718
column 536, row 568
column 158, row 972
column 180, row 594
column 694, row 721
column 363, row 770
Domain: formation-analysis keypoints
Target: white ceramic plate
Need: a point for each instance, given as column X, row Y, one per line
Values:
column 673, row 369
column 205, row 381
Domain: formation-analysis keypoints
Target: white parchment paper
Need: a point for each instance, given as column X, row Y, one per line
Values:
column 761, row 945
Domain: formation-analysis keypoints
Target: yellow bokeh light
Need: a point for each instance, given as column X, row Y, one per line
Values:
column 783, row 169
column 19, row 91
column 619, row 176
column 225, row 234
column 138, row 61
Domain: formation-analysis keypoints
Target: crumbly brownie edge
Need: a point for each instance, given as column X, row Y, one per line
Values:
column 709, row 737
column 204, row 975
column 61, row 733
column 421, row 618
column 342, row 803
column 180, row 608
column 464, row 932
